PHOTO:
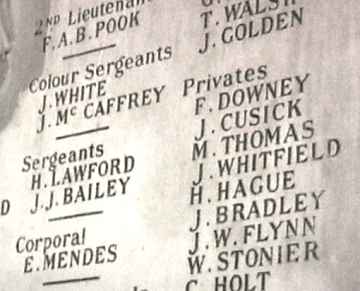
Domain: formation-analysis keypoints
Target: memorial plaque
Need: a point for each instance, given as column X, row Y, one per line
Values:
column 203, row 145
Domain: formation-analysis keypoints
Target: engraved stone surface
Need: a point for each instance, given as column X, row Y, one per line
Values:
column 179, row 145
